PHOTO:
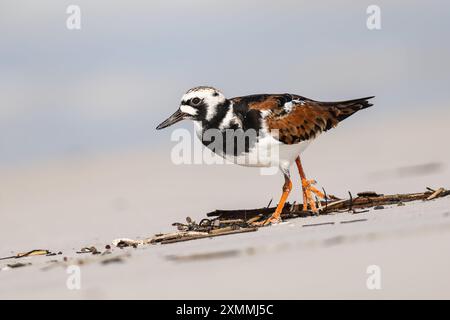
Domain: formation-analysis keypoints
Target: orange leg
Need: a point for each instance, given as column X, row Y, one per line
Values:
column 308, row 189
column 287, row 187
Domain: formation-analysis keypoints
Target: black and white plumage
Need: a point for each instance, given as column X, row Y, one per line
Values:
column 288, row 121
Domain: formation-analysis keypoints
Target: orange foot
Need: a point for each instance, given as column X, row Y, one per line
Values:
column 276, row 216
column 308, row 191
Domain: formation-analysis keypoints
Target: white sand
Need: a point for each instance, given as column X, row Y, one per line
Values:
column 410, row 244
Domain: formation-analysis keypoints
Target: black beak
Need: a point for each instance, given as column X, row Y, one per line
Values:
column 176, row 117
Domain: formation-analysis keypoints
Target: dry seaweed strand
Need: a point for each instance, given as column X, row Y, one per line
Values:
column 36, row 252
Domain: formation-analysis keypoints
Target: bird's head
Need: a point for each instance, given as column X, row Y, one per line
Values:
column 198, row 104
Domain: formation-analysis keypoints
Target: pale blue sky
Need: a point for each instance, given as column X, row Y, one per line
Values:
column 106, row 86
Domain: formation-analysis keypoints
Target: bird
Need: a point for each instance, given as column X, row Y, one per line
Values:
column 285, row 122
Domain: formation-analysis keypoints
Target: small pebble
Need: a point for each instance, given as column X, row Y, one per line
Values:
column 378, row 207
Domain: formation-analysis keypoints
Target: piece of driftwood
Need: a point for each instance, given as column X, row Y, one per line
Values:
column 366, row 199
column 175, row 236
column 181, row 236
column 215, row 233
column 158, row 238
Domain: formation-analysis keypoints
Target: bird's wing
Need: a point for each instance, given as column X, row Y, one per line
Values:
column 297, row 118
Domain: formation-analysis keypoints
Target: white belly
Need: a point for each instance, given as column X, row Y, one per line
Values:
column 269, row 152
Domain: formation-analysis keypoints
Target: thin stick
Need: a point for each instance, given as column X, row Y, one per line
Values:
column 245, row 230
column 436, row 194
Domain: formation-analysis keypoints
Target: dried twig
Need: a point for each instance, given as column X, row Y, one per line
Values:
column 210, row 235
column 436, row 194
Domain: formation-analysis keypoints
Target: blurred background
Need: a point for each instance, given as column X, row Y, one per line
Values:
column 80, row 158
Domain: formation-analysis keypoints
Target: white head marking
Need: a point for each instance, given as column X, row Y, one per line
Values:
column 188, row 109
column 210, row 96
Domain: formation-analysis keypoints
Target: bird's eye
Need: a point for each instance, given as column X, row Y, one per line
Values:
column 195, row 101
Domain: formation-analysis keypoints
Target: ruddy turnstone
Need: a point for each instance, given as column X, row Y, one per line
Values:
column 288, row 121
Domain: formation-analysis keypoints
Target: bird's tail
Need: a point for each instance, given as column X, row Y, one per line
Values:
column 344, row 109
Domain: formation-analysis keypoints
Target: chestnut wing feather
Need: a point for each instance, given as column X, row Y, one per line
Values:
column 300, row 119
